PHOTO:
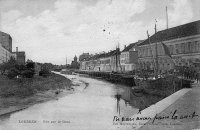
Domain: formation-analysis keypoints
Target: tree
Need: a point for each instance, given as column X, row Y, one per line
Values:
column 28, row 73
column 3, row 68
column 8, row 65
column 30, row 65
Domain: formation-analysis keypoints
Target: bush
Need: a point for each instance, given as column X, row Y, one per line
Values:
column 30, row 65
column 12, row 73
column 44, row 73
column 29, row 73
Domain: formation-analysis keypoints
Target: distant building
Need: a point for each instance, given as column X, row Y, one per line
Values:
column 75, row 64
column 115, row 60
column 20, row 56
column 184, row 45
column 106, row 62
column 84, row 56
column 6, row 41
column 5, row 47
column 129, row 57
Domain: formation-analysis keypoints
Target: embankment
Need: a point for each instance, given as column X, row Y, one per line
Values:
column 18, row 94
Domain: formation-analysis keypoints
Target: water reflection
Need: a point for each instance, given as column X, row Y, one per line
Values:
column 137, row 99
column 118, row 96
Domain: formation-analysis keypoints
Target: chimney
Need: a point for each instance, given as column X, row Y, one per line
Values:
column 124, row 46
column 16, row 49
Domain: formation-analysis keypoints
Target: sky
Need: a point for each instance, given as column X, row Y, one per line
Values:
column 51, row 30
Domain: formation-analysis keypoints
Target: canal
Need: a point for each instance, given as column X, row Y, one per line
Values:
column 92, row 107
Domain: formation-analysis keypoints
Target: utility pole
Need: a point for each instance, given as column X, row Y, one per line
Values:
column 167, row 18
column 155, row 26
column 0, row 28
column 116, row 58
column 66, row 62
column 156, row 47
column 0, row 19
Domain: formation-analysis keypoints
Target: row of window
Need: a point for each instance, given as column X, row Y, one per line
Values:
column 180, row 48
column 125, row 55
column 4, row 55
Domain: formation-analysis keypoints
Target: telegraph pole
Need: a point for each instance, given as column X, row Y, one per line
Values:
column 0, row 18
column 0, row 27
column 167, row 18
column 156, row 47
column 116, row 58
column 66, row 62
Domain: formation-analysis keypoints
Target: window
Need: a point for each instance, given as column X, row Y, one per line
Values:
column 186, row 47
column 182, row 47
column 195, row 46
column 198, row 46
column 171, row 49
column 142, row 52
column 145, row 51
column 189, row 47
column 177, row 48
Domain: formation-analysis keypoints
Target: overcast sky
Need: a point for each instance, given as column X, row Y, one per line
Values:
column 50, row 30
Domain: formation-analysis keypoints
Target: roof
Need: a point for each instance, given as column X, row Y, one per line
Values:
column 129, row 47
column 132, row 45
column 184, row 30
column 103, row 55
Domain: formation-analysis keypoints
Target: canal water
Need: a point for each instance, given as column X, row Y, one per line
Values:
column 92, row 107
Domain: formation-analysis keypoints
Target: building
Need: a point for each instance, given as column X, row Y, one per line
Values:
column 19, row 56
column 84, row 56
column 4, row 54
column 82, row 59
column 184, row 45
column 6, row 41
column 5, row 47
column 75, row 64
column 115, row 60
column 129, row 57
column 105, row 62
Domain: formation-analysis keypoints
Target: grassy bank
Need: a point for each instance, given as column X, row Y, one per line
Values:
column 27, row 87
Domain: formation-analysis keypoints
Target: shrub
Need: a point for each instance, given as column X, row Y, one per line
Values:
column 29, row 73
column 44, row 73
column 12, row 73
column 30, row 65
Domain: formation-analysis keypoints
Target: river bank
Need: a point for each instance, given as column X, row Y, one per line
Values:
column 19, row 94
column 161, row 87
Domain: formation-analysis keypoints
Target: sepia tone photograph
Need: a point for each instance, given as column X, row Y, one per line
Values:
column 99, row 65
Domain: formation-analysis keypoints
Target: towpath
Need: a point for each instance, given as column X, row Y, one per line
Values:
column 184, row 113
